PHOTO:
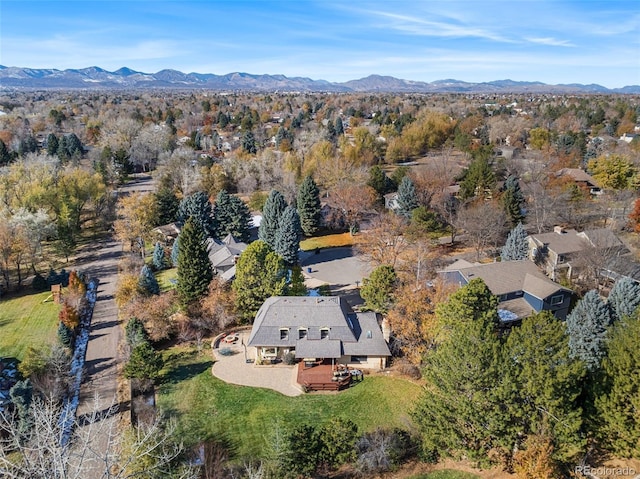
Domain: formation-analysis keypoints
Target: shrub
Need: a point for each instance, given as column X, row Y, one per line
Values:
column 289, row 359
column 65, row 335
column 39, row 283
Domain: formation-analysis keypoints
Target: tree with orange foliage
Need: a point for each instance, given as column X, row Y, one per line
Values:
column 69, row 316
column 354, row 201
column 536, row 461
column 634, row 217
column 413, row 318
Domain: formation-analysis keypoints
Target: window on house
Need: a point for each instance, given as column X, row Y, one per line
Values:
column 284, row 334
column 519, row 293
column 324, row 333
column 359, row 359
column 561, row 258
column 555, row 300
column 302, row 333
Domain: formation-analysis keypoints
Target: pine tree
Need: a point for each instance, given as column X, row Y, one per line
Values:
column 52, row 144
column 516, row 247
column 194, row 268
column 287, row 240
column 249, row 143
column 144, row 362
column 478, row 178
column 158, row 259
column 624, row 298
column 198, row 206
column 378, row 288
column 295, row 285
column 587, row 328
column 232, row 216
column 617, row 397
column 167, row 205
column 379, row 181
column 148, row 281
column 339, row 127
column 260, row 274
column 65, row 335
column 473, row 302
column 271, row 215
column 175, row 249
column 513, row 200
column 135, row 332
column 407, row 198
column 308, row 203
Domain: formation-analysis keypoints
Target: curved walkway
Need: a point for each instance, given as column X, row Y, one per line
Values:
column 234, row 369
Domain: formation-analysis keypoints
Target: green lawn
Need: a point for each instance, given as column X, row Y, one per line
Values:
column 446, row 474
column 209, row 408
column 26, row 320
column 164, row 278
column 327, row 241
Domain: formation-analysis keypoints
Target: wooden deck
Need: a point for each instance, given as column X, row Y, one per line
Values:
column 320, row 378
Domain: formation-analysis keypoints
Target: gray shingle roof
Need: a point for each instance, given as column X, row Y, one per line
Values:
column 570, row 241
column 281, row 318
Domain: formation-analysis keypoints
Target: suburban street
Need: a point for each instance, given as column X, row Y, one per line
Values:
column 99, row 387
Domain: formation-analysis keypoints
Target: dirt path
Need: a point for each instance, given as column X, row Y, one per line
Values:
column 100, row 260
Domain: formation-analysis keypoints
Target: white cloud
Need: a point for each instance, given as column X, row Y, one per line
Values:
column 550, row 41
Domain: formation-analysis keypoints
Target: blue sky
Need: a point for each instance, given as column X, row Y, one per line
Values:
column 578, row 41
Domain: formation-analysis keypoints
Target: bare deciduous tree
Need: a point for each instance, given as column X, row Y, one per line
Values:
column 484, row 223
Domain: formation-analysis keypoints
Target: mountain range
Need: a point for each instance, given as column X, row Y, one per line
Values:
column 125, row 78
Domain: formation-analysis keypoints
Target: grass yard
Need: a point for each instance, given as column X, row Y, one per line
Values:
column 165, row 277
column 208, row 407
column 328, row 241
column 26, row 320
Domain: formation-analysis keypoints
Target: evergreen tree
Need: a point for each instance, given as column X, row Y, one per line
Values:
column 148, row 281
column 175, row 249
column 302, row 451
column 513, row 200
column 158, row 259
column 287, row 240
column 5, row 154
column 21, row 395
column 339, row 127
column 473, row 302
column 135, row 332
column 624, row 298
column 308, row 204
column 232, row 216
column 516, row 247
column 52, row 144
column 617, row 398
column 379, row 181
column 144, row 362
column 167, row 205
column 541, row 386
column 74, row 146
column 249, row 143
column 260, row 274
column 460, row 412
column 338, row 441
column 198, row 206
column 271, row 215
column 478, row 178
column 377, row 290
column 407, row 198
column 587, row 328
column 295, row 285
column 194, row 268
column 65, row 335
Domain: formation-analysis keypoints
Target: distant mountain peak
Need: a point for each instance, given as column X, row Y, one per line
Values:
column 124, row 77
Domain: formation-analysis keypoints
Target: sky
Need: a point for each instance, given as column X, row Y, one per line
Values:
column 564, row 41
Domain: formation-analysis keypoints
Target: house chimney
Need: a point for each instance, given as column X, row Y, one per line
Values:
column 559, row 229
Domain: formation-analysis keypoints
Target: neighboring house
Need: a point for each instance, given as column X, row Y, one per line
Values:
column 318, row 328
column 167, row 233
column 391, row 201
column 556, row 253
column 520, row 286
column 224, row 256
column 628, row 137
column 582, row 179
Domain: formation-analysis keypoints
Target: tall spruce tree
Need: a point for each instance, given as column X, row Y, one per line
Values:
column 513, row 200
column 158, row 259
column 379, row 181
column 232, row 216
column 587, row 329
column 617, row 391
column 473, row 302
column 624, row 298
column 260, row 273
column 378, row 288
column 175, row 249
column 516, row 246
column 407, row 197
column 52, row 144
column 194, row 268
column 148, row 281
column 287, row 241
column 198, row 206
column 167, row 204
column 308, row 204
column 271, row 215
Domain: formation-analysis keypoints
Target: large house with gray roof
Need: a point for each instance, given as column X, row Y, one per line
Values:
column 224, row 256
column 318, row 329
column 520, row 286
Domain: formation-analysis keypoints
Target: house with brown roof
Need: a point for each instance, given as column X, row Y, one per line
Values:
column 558, row 252
column 580, row 178
column 520, row 286
column 318, row 329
